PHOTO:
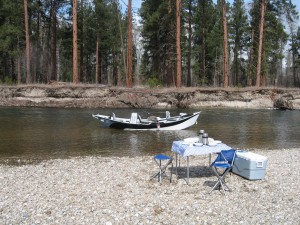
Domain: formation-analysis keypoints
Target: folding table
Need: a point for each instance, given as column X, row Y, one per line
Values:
column 186, row 150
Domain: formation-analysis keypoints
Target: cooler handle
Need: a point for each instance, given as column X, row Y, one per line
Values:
column 260, row 164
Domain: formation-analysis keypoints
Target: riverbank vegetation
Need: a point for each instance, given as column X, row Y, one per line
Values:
column 258, row 37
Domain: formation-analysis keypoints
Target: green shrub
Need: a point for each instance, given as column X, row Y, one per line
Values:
column 153, row 82
column 9, row 81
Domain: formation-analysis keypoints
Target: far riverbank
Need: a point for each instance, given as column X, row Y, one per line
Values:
column 96, row 96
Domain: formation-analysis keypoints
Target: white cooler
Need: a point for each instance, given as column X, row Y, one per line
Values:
column 250, row 165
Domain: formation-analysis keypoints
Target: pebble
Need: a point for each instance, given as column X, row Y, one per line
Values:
column 118, row 190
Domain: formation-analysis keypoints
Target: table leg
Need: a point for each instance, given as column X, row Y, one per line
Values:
column 176, row 156
column 187, row 169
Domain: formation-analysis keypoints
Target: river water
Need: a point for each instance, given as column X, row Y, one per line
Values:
column 30, row 134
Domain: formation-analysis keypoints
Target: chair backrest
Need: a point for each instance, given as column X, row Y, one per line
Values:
column 226, row 155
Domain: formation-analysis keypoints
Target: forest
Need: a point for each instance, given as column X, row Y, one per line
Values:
column 165, row 43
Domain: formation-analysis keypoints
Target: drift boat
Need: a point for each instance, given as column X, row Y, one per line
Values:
column 135, row 122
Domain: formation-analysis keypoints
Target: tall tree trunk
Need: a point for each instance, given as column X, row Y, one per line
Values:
column 97, row 60
column 129, row 46
column 28, row 75
column 261, row 32
column 81, row 66
column 189, row 78
column 39, row 52
column 178, row 50
column 53, row 48
column 75, row 50
column 225, row 45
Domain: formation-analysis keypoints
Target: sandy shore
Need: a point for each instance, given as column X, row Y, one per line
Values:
column 98, row 190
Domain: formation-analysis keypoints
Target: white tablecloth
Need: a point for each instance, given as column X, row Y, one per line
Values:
column 187, row 150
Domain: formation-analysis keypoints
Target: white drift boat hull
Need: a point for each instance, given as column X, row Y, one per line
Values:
column 180, row 122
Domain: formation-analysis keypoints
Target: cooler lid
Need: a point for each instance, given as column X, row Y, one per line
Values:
column 250, row 156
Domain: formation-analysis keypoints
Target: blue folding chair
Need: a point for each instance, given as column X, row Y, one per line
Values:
column 162, row 168
column 221, row 166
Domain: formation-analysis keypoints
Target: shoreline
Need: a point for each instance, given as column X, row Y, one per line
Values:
column 97, row 96
column 113, row 190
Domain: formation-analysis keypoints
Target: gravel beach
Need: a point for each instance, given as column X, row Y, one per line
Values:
column 102, row 190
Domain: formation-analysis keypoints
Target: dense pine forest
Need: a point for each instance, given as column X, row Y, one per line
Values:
column 166, row 43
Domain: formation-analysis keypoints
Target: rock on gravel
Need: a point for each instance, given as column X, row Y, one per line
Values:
column 98, row 190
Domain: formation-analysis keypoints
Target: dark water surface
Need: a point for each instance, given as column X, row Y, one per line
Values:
column 45, row 133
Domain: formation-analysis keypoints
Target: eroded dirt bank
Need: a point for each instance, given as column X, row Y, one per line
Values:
column 92, row 96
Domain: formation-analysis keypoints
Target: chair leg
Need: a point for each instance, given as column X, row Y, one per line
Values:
column 221, row 180
column 218, row 181
column 171, row 171
column 162, row 170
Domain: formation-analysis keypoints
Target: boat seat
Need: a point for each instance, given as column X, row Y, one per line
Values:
column 133, row 118
column 168, row 115
column 113, row 117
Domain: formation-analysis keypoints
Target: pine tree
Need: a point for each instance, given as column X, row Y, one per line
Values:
column 292, row 16
column 295, row 49
column 12, row 40
column 271, row 46
column 159, row 32
column 206, row 40
column 239, row 35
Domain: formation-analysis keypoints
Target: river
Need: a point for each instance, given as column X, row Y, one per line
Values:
column 35, row 134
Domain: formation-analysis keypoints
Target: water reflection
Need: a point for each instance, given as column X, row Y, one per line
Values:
column 39, row 133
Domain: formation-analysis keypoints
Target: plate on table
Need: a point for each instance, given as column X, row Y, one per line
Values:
column 217, row 141
column 186, row 143
column 212, row 143
column 210, row 140
column 191, row 140
column 198, row 144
